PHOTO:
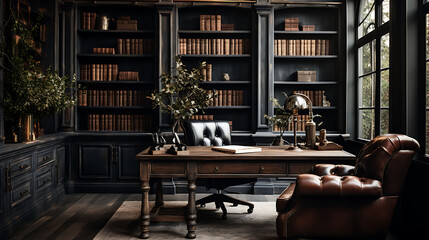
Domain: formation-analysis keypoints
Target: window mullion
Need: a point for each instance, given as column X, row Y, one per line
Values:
column 378, row 85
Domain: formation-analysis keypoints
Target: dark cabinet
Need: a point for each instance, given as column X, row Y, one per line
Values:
column 95, row 161
column 29, row 178
column 106, row 166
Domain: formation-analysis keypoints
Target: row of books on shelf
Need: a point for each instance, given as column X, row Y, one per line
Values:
column 213, row 23
column 300, row 126
column 316, row 97
column 215, row 46
column 301, row 47
column 99, row 72
column 103, row 50
column 88, row 20
column 201, row 117
column 135, row 46
column 227, row 98
column 119, row 98
column 106, row 72
column 120, row 122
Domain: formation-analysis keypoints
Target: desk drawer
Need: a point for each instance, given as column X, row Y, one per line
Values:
column 242, row 168
column 168, row 168
column 300, row 168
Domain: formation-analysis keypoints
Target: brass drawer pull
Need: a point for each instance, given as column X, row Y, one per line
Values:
column 216, row 169
column 46, row 180
column 24, row 166
column 262, row 169
column 23, row 193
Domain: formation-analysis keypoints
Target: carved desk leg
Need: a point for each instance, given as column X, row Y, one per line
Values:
column 145, row 187
column 191, row 213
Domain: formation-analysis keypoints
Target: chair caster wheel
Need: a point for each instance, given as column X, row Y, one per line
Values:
column 224, row 217
column 235, row 204
column 250, row 210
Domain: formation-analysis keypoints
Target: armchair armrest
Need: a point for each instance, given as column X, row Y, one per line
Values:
column 331, row 169
column 337, row 186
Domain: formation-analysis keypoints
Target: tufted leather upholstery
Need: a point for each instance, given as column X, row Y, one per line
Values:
column 346, row 201
column 207, row 133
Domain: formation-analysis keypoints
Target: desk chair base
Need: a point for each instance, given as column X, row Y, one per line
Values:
column 219, row 199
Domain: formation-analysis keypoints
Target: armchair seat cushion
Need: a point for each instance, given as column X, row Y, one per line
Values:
column 337, row 186
column 331, row 169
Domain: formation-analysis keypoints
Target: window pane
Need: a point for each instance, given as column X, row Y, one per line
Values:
column 384, row 121
column 367, row 91
column 385, row 7
column 427, row 35
column 367, row 18
column 366, row 123
column 427, row 84
column 384, row 94
column 367, row 58
column 385, row 51
column 427, row 133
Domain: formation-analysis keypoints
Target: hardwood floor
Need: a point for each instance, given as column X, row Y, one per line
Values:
column 82, row 216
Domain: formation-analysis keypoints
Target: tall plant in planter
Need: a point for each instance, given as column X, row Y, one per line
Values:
column 180, row 94
column 28, row 88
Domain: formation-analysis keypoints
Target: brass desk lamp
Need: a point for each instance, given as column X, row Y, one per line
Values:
column 295, row 103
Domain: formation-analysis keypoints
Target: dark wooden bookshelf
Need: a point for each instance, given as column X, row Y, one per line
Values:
column 325, row 19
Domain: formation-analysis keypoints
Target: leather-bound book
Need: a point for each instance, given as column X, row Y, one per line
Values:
column 218, row 22
column 226, row 48
column 202, row 22
column 207, row 23
column 229, row 98
column 213, row 22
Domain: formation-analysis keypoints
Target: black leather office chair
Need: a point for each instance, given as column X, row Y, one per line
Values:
column 214, row 133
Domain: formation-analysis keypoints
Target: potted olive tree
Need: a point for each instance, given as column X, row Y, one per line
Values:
column 181, row 96
column 29, row 90
column 280, row 119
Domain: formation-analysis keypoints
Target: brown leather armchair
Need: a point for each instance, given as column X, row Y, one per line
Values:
column 340, row 201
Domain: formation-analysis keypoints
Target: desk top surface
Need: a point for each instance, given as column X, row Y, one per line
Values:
column 202, row 153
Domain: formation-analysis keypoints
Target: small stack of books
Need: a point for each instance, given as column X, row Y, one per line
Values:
column 291, row 24
column 210, row 22
column 227, row 27
column 88, row 20
column 99, row 72
column 308, row 28
column 214, row 46
column 120, row 122
column 207, row 72
column 103, row 50
column 126, row 23
column 135, row 46
column 301, row 47
column 227, row 98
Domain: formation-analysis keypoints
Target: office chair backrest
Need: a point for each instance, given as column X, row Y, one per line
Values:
column 207, row 133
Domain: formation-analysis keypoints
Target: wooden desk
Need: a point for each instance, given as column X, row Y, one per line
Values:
column 202, row 162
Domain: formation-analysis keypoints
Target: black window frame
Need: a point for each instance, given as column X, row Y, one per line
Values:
column 380, row 30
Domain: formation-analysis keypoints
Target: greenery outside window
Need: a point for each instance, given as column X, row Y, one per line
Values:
column 373, row 68
column 426, row 12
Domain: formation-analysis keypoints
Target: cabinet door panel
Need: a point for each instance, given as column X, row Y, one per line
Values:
column 129, row 167
column 95, row 161
column 60, row 168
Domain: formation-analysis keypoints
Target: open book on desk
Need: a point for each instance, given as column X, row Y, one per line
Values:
column 237, row 149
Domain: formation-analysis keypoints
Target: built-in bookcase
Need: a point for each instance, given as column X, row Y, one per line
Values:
column 115, row 79
column 227, row 50
column 312, row 50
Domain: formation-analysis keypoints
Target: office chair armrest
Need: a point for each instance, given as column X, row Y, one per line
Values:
column 332, row 169
column 337, row 186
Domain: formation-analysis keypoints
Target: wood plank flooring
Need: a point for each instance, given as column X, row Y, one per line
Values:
column 82, row 216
